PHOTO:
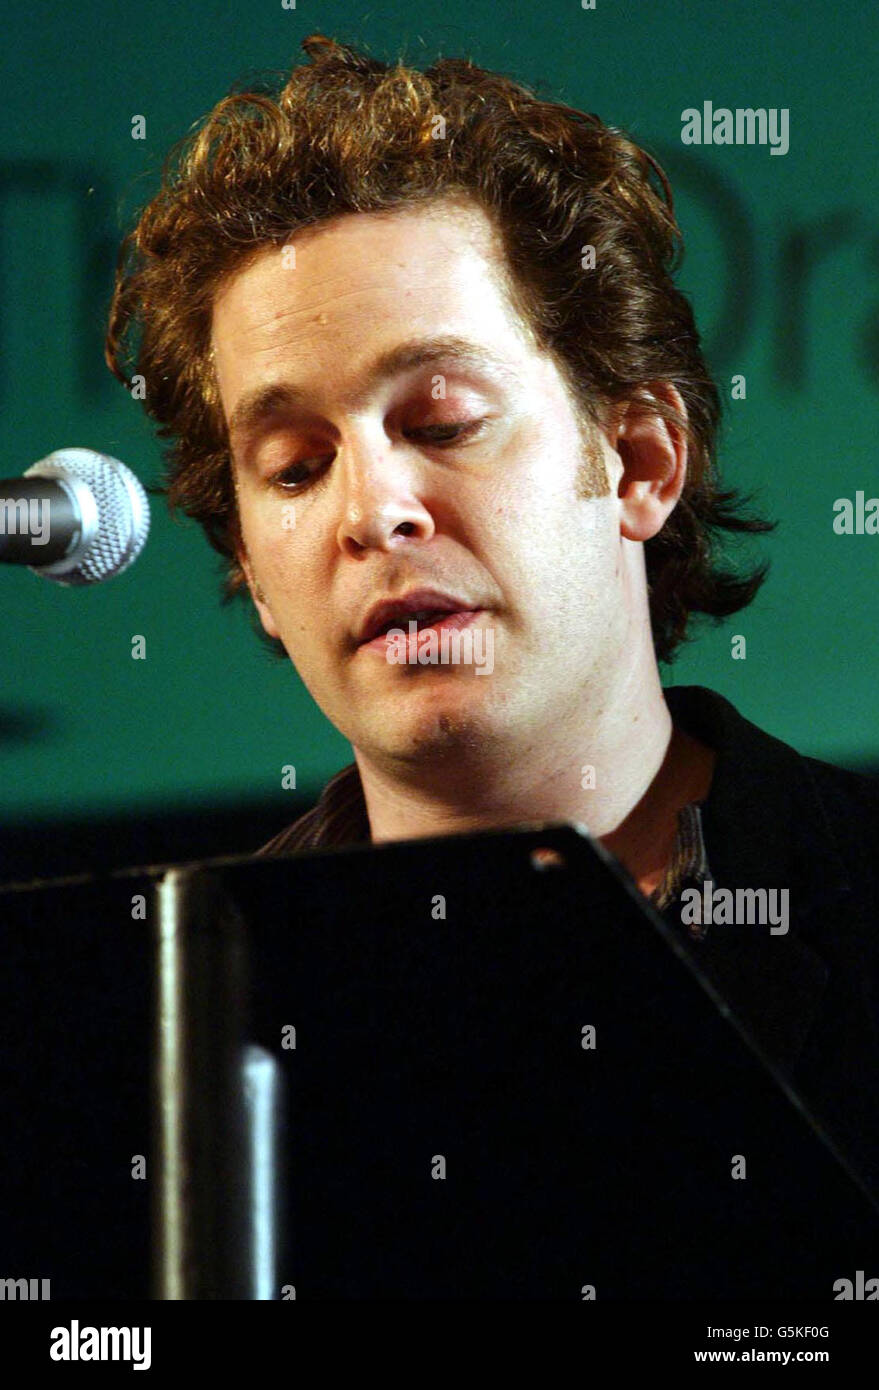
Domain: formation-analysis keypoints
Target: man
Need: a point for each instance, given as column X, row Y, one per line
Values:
column 416, row 341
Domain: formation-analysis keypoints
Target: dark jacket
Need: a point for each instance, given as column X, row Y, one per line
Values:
column 772, row 819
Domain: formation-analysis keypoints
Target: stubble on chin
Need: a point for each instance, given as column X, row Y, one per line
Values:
column 442, row 737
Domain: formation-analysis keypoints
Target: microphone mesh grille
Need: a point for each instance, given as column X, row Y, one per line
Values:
column 123, row 513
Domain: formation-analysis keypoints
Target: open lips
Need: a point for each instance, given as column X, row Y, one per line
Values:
column 426, row 607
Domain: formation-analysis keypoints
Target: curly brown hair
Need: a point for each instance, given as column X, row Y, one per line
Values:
column 347, row 134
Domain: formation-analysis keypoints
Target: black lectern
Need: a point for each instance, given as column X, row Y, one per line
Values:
column 473, row 1067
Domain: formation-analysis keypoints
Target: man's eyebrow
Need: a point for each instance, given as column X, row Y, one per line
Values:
column 264, row 401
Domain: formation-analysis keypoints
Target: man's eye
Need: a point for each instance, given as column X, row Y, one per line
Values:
column 298, row 475
column 446, row 434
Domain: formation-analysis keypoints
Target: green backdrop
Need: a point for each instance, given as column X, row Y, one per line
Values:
column 782, row 266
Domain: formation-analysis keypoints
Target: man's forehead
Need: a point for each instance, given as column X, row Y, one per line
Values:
column 447, row 246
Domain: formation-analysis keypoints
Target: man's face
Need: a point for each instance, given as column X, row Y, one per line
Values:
column 399, row 461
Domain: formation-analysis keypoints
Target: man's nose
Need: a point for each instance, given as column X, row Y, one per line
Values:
column 381, row 481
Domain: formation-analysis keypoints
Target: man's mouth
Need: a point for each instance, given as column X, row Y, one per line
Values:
column 425, row 620
column 426, row 607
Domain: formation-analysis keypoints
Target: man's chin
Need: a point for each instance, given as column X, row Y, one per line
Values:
column 448, row 729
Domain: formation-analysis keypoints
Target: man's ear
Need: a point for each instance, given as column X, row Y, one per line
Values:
column 653, row 454
column 260, row 602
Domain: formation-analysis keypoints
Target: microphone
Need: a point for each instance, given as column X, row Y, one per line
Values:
column 77, row 517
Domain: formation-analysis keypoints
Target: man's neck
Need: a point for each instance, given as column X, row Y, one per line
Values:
column 645, row 771
column 645, row 840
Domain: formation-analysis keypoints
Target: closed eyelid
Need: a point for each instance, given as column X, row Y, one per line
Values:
column 466, row 405
column 396, row 369
column 463, row 432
